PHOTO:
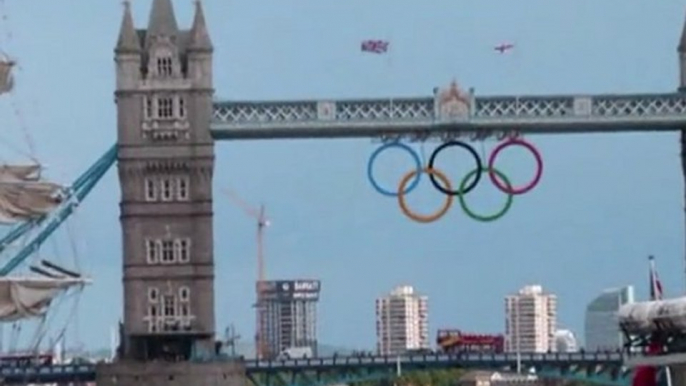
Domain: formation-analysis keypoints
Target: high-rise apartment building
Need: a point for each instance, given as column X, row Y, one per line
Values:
column 289, row 315
column 402, row 321
column 531, row 320
column 601, row 326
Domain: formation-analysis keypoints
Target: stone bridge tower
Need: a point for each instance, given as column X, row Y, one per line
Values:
column 166, row 159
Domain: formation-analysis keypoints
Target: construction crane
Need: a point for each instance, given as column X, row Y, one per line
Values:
column 231, row 339
column 261, row 348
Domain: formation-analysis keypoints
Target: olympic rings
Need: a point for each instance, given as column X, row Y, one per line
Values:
column 509, row 189
column 463, row 190
column 479, row 217
column 499, row 179
column 424, row 218
column 370, row 166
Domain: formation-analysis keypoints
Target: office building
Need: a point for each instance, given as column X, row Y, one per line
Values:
column 601, row 327
column 288, row 315
column 402, row 321
column 531, row 320
column 565, row 341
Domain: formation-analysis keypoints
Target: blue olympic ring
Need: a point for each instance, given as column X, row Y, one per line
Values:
column 370, row 166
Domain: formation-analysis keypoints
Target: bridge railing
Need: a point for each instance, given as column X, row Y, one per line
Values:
column 438, row 358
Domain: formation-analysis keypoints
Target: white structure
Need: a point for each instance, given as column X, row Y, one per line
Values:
column 402, row 321
column 565, row 341
column 601, row 326
column 530, row 321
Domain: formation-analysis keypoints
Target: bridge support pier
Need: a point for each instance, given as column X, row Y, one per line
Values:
column 160, row 373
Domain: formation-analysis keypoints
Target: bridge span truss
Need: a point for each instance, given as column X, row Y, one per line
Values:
column 449, row 114
column 598, row 368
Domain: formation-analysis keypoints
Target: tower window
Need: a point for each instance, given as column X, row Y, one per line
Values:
column 167, row 251
column 153, row 294
column 153, row 311
column 151, row 251
column 182, row 188
column 184, row 294
column 168, row 304
column 147, row 107
column 150, row 190
column 152, row 326
column 182, row 107
column 165, row 108
column 184, row 310
column 183, row 253
column 167, row 192
column 164, row 66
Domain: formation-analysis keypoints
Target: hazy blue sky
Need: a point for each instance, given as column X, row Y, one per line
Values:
column 605, row 201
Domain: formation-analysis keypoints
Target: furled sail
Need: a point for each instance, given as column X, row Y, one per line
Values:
column 28, row 297
column 23, row 194
column 6, row 79
column 19, row 173
column 25, row 200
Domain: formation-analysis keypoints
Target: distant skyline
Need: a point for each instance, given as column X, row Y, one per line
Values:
column 604, row 204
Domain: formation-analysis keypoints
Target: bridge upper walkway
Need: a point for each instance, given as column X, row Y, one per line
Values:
column 264, row 372
column 430, row 116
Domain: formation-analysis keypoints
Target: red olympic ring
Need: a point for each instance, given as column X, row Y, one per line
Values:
column 514, row 190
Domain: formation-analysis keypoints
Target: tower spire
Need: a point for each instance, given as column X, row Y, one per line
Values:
column 128, row 38
column 162, row 20
column 199, row 37
column 682, row 42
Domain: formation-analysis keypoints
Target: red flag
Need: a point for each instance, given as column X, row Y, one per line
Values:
column 375, row 46
column 647, row 375
column 655, row 284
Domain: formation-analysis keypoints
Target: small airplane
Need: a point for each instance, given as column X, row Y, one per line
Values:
column 504, row 47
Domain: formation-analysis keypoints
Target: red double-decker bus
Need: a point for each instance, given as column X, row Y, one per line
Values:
column 454, row 341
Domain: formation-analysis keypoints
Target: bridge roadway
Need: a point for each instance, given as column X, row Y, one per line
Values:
column 335, row 369
column 423, row 117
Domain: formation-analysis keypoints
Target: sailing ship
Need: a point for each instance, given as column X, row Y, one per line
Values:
column 27, row 199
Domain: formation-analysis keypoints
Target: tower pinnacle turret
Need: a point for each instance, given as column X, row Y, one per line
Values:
column 162, row 20
column 199, row 37
column 681, row 49
column 128, row 39
column 682, row 41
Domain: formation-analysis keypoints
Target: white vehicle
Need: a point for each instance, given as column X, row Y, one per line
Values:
column 646, row 317
column 295, row 353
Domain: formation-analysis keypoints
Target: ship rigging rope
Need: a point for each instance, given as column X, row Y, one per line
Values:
column 7, row 38
column 52, row 311
column 49, row 317
column 72, row 243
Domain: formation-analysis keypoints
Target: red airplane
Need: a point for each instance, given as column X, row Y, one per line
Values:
column 503, row 47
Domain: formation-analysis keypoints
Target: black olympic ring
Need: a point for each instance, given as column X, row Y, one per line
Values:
column 477, row 159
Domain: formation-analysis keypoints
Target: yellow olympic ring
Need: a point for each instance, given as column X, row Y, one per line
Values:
column 425, row 218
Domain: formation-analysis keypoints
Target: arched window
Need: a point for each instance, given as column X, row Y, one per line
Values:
column 151, row 251
column 184, row 294
column 153, row 295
